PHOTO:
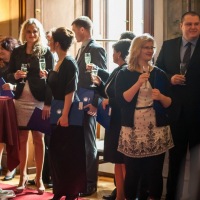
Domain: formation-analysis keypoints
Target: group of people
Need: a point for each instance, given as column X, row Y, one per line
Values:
column 153, row 108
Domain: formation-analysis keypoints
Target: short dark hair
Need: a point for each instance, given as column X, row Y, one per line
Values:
column 193, row 13
column 64, row 37
column 123, row 47
column 9, row 43
column 84, row 22
column 127, row 35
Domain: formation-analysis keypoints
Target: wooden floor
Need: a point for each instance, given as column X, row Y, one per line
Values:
column 105, row 186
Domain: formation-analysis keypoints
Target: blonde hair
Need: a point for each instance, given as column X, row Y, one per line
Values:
column 40, row 47
column 135, row 49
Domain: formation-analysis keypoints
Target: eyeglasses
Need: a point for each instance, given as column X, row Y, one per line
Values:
column 148, row 48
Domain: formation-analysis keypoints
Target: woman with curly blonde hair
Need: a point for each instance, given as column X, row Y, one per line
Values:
column 30, row 93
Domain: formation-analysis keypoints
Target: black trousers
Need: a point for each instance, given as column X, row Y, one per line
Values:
column 137, row 168
column 185, row 132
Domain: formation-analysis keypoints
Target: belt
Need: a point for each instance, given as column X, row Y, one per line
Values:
column 140, row 108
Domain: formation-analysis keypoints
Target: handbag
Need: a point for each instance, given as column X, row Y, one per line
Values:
column 76, row 112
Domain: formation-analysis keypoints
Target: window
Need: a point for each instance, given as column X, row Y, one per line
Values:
column 113, row 17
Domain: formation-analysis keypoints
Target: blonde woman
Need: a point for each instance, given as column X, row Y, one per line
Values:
column 31, row 93
column 143, row 94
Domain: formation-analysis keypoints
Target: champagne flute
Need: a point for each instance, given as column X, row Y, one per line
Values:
column 183, row 70
column 24, row 69
column 146, row 69
column 87, row 59
column 42, row 64
column 94, row 73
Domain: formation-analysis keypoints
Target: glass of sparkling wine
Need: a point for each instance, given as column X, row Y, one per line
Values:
column 146, row 69
column 87, row 58
column 24, row 69
column 42, row 64
column 94, row 73
column 183, row 70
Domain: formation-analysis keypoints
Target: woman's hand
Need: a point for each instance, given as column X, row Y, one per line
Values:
column 46, row 112
column 63, row 121
column 143, row 78
column 20, row 74
column 8, row 86
column 156, row 95
column 105, row 102
column 165, row 101
column 43, row 73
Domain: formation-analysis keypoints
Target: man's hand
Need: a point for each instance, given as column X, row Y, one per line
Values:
column 92, row 110
column 177, row 79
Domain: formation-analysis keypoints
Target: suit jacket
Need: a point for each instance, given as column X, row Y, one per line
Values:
column 186, row 98
column 38, row 86
column 98, row 57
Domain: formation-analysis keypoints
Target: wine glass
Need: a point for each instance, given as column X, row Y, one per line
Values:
column 42, row 64
column 146, row 69
column 94, row 73
column 183, row 70
column 24, row 69
column 87, row 59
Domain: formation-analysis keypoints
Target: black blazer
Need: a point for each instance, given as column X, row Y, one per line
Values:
column 185, row 98
column 38, row 86
column 99, row 58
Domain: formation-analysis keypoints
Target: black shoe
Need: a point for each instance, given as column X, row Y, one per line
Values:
column 50, row 185
column 8, row 178
column 90, row 190
column 112, row 196
column 31, row 182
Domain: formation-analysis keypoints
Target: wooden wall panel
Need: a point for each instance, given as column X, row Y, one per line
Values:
column 9, row 15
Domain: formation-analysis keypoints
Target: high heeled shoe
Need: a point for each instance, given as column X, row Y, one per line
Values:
column 11, row 176
column 40, row 186
column 22, row 186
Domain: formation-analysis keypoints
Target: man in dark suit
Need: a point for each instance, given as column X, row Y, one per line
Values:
column 185, row 112
column 82, row 28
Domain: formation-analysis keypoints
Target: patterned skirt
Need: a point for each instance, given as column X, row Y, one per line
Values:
column 145, row 139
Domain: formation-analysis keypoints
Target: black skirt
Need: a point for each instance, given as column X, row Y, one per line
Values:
column 68, row 160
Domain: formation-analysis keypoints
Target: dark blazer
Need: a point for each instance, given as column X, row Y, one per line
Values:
column 185, row 98
column 38, row 86
column 99, row 58
column 126, row 79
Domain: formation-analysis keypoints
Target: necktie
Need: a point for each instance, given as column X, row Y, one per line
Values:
column 186, row 57
column 79, row 52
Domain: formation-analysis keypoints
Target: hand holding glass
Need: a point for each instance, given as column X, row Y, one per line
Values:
column 87, row 59
column 42, row 64
column 146, row 69
column 23, row 69
column 94, row 73
column 183, row 69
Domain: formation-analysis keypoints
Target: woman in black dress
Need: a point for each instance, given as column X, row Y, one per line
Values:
column 67, row 147
column 107, row 90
